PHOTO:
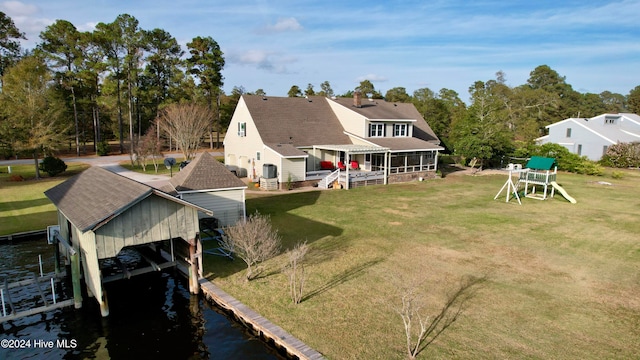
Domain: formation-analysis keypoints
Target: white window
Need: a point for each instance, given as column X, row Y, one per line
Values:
column 579, row 149
column 568, row 132
column 242, row 129
column 258, row 155
column 400, row 130
column 376, row 130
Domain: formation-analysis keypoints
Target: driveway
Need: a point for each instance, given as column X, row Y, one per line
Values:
column 112, row 163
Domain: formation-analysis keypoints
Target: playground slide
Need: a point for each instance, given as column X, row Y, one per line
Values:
column 562, row 191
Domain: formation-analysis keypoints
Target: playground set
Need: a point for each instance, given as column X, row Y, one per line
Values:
column 538, row 172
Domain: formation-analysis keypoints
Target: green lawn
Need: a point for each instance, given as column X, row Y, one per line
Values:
column 23, row 205
column 563, row 280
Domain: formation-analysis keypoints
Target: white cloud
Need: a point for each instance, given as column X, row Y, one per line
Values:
column 17, row 8
column 372, row 78
column 284, row 24
column 271, row 61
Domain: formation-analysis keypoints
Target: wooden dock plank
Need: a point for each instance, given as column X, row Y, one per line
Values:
column 290, row 343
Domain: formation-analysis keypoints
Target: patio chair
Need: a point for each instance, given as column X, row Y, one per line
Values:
column 355, row 165
column 341, row 166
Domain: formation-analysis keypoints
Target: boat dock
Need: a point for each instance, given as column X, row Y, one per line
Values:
column 263, row 327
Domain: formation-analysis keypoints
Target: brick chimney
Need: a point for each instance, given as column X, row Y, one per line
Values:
column 357, row 99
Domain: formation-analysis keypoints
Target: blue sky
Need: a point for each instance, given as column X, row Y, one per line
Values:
column 273, row 45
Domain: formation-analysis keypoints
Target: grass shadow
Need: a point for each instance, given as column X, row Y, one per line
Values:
column 448, row 314
column 342, row 277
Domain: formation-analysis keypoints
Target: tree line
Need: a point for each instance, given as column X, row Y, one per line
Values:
column 112, row 83
column 500, row 120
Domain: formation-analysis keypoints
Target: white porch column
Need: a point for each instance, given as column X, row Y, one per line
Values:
column 347, row 165
column 386, row 167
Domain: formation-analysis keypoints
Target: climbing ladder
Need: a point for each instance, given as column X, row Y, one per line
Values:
column 12, row 309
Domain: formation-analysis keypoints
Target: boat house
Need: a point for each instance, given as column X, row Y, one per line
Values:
column 100, row 213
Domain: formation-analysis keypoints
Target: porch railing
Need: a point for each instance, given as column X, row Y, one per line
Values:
column 324, row 183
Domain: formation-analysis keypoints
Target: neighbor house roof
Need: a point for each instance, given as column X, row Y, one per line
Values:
column 205, row 173
column 300, row 122
column 612, row 134
column 91, row 198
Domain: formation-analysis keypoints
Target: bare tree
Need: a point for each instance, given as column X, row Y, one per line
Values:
column 253, row 240
column 187, row 124
column 421, row 330
column 149, row 146
column 294, row 270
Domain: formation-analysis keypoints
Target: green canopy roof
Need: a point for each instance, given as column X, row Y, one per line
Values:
column 541, row 163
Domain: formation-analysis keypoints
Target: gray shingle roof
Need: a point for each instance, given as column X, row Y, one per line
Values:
column 279, row 120
column 405, row 144
column 205, row 173
column 95, row 195
column 378, row 109
column 287, row 150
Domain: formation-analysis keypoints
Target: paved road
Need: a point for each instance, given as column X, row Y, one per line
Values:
column 112, row 163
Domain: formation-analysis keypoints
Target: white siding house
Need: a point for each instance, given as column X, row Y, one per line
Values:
column 209, row 184
column 305, row 137
column 591, row 137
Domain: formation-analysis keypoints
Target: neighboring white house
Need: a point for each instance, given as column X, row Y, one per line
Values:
column 592, row 137
column 304, row 139
column 209, row 184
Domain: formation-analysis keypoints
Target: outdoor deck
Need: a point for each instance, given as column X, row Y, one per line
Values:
column 356, row 178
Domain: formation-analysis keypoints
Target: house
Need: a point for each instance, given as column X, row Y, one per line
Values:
column 208, row 183
column 100, row 213
column 592, row 137
column 317, row 140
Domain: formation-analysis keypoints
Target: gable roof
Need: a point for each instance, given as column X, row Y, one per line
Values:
column 95, row 194
column 610, row 133
column 205, row 173
column 93, row 197
column 279, row 120
column 378, row 109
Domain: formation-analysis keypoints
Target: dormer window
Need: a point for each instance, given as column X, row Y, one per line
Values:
column 400, row 130
column 609, row 120
column 376, row 130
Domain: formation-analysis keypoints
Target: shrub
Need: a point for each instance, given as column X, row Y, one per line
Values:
column 253, row 240
column 53, row 165
column 617, row 175
column 622, row 155
column 103, row 148
column 16, row 178
column 566, row 160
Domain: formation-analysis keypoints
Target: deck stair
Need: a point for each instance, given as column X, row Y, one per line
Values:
column 326, row 182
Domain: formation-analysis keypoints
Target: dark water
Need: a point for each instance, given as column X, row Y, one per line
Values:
column 151, row 316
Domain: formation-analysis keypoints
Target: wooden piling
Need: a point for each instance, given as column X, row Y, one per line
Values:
column 75, row 279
